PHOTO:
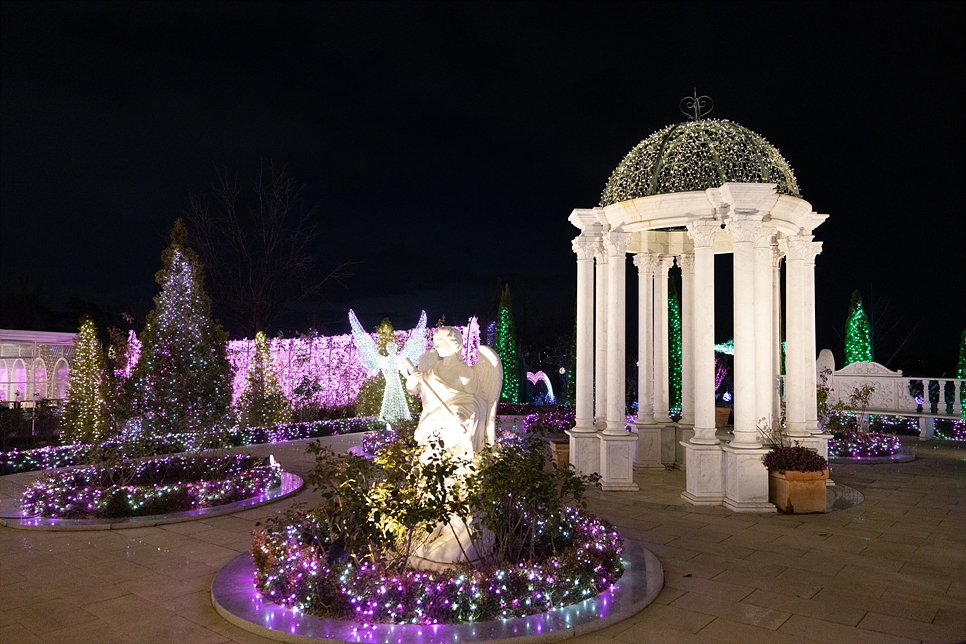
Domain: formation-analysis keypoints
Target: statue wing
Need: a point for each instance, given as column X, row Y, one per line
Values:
column 416, row 344
column 489, row 371
column 368, row 353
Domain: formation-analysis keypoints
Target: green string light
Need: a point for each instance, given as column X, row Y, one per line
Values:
column 505, row 345
column 674, row 346
column 858, row 333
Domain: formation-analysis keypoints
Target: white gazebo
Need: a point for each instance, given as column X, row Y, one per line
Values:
column 684, row 194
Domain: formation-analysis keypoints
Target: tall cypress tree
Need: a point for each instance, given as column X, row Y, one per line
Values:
column 262, row 403
column 505, row 345
column 85, row 418
column 858, row 333
column 674, row 345
column 182, row 381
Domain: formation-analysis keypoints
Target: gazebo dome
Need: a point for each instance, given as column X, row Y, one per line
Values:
column 697, row 155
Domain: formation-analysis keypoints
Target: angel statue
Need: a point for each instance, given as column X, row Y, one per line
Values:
column 459, row 408
column 394, row 405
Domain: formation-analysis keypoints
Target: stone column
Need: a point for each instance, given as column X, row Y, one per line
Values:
column 615, row 243
column 743, row 230
column 617, row 445
column 776, row 328
column 797, row 247
column 648, row 433
column 766, row 377
column 600, row 338
column 584, row 446
column 661, row 403
column 686, row 262
column 704, row 475
column 809, row 382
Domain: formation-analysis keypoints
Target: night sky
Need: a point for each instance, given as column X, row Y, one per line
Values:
column 446, row 144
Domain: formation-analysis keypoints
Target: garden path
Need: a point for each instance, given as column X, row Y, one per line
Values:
column 890, row 570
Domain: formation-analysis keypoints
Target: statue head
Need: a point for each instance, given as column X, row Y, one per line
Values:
column 391, row 348
column 447, row 340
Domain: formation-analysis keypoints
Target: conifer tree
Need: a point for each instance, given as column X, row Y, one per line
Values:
column 85, row 418
column 182, row 381
column 961, row 365
column 505, row 345
column 858, row 334
column 262, row 403
column 674, row 352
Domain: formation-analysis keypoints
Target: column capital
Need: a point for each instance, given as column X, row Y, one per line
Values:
column 663, row 265
column 645, row 262
column 600, row 251
column 583, row 245
column 702, row 232
column 744, row 230
column 813, row 252
column 686, row 263
column 798, row 247
column 765, row 235
column 615, row 242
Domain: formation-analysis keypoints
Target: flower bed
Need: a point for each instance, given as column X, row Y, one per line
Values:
column 133, row 444
column 155, row 486
column 952, row 430
column 297, row 568
column 849, row 444
column 554, row 421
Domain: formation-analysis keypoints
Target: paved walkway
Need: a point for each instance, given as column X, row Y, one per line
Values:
column 890, row 570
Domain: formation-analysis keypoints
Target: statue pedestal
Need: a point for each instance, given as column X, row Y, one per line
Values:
column 584, row 451
column 617, row 461
column 704, row 474
column 746, row 480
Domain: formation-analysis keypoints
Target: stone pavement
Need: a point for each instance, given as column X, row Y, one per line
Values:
column 890, row 570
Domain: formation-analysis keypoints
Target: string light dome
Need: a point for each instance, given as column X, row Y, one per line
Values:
column 697, row 155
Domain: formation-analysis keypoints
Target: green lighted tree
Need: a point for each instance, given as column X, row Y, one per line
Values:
column 961, row 371
column 505, row 345
column 85, row 418
column 674, row 345
column 372, row 392
column 571, row 397
column 858, row 334
column 262, row 403
column 182, row 381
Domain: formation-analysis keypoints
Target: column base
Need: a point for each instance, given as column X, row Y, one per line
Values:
column 746, row 480
column 617, row 462
column 682, row 434
column 648, row 448
column 584, row 451
column 704, row 474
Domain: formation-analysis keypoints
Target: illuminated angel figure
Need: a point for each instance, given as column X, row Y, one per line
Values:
column 394, row 406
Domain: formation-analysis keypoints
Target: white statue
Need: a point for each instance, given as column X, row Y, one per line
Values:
column 459, row 408
column 394, row 406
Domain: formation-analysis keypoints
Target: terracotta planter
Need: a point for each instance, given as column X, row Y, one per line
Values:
column 560, row 452
column 721, row 416
column 797, row 492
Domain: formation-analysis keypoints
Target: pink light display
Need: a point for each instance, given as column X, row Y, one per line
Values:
column 332, row 361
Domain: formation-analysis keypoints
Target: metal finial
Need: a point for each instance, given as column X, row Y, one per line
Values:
column 694, row 106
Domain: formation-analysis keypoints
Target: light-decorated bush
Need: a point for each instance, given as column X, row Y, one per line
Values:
column 262, row 402
column 156, row 486
column 374, row 512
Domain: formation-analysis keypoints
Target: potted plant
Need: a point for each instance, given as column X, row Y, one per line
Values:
column 796, row 479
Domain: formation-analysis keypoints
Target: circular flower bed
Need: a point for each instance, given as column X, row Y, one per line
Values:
column 155, row 486
column 297, row 568
column 871, row 444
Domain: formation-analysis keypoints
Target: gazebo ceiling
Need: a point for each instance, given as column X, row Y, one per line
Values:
column 697, row 155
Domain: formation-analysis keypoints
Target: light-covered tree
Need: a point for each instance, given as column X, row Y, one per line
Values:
column 86, row 418
column 262, row 403
column 674, row 351
column 505, row 345
column 182, row 381
column 858, row 333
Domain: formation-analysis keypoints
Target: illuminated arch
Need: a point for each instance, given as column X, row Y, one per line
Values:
column 61, row 376
column 40, row 378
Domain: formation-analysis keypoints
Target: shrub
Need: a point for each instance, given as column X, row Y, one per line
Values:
column 795, row 459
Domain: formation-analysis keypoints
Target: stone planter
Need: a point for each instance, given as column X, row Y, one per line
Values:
column 721, row 416
column 560, row 453
column 797, row 492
